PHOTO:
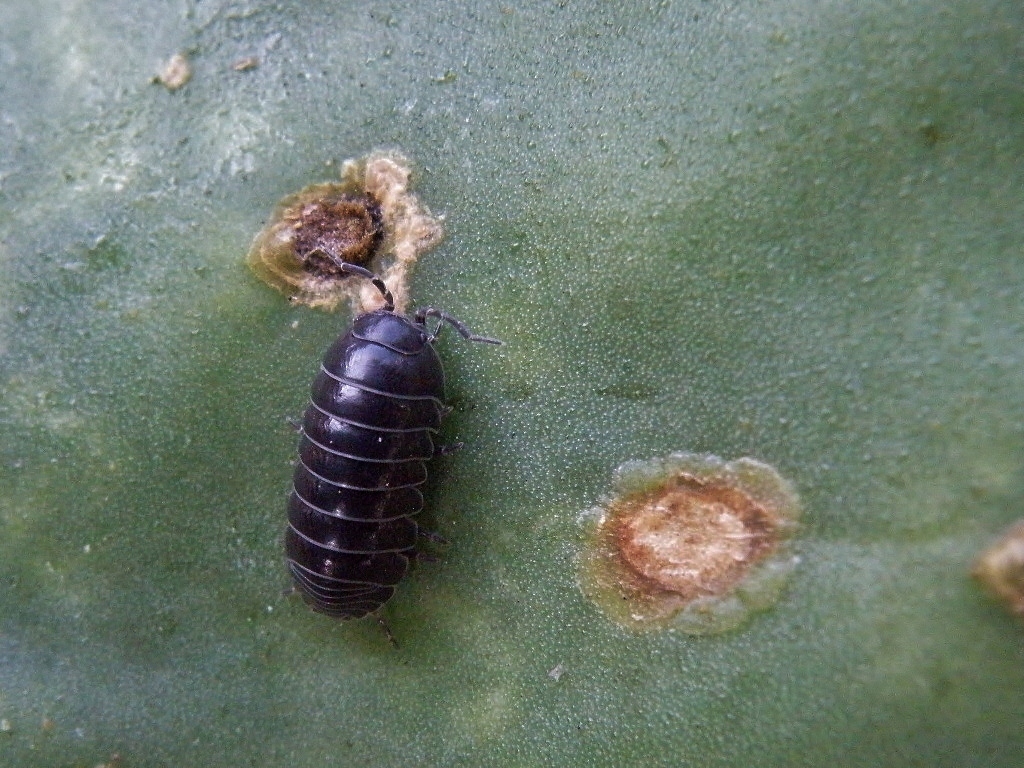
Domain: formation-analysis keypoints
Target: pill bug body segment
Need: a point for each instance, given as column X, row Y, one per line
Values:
column 375, row 407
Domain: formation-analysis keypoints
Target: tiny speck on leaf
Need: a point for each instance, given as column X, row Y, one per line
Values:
column 175, row 73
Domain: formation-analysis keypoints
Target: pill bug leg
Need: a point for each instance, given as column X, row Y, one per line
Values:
column 387, row 630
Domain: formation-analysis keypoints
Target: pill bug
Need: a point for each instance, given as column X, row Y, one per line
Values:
column 364, row 442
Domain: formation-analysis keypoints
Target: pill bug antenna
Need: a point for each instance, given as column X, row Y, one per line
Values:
column 352, row 269
column 387, row 630
column 443, row 317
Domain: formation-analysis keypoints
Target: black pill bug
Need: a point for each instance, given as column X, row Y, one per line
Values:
column 364, row 443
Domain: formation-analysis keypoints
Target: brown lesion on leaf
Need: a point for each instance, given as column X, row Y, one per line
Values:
column 690, row 541
column 1000, row 568
column 690, row 538
column 348, row 227
column 369, row 218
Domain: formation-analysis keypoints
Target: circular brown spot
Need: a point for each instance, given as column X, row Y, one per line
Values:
column 689, row 538
column 692, row 541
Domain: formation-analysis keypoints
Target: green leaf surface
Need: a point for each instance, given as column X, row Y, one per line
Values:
column 784, row 230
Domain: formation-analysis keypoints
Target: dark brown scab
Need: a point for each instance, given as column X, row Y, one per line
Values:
column 310, row 234
column 332, row 229
column 370, row 219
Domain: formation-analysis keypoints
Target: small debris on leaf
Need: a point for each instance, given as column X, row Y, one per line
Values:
column 244, row 65
column 176, row 72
